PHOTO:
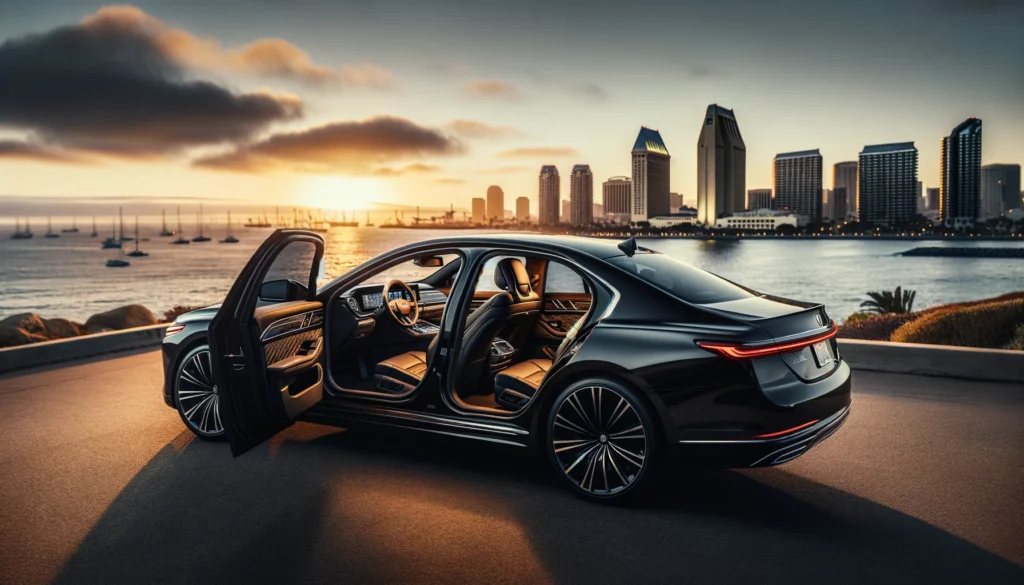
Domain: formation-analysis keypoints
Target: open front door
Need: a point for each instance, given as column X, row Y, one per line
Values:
column 266, row 341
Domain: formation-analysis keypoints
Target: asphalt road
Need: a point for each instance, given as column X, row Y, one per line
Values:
column 100, row 483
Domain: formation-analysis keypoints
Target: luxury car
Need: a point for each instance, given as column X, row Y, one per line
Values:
column 608, row 358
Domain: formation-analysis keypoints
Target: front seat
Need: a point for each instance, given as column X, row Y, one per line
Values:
column 515, row 385
column 404, row 372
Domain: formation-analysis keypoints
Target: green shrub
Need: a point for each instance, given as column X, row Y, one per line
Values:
column 989, row 325
column 1017, row 341
column 874, row 327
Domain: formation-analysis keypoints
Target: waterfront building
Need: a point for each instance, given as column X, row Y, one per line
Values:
column 931, row 199
column 495, row 203
column 960, row 173
column 796, row 178
column 758, row 220
column 1000, row 189
column 840, row 204
column 826, row 204
column 844, row 175
column 721, row 166
column 479, row 210
column 675, row 201
column 549, row 196
column 599, row 212
column 616, row 194
column 759, row 199
column 581, row 196
column 566, row 210
column 650, row 195
column 887, row 183
column 685, row 216
column 523, row 209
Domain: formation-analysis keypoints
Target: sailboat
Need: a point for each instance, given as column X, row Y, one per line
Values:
column 230, row 239
column 259, row 222
column 112, row 241
column 199, row 220
column 344, row 221
column 164, row 232
column 119, row 261
column 49, row 232
column 74, row 227
column 18, row 233
column 137, row 253
column 121, row 237
column 94, row 232
column 180, row 241
column 368, row 222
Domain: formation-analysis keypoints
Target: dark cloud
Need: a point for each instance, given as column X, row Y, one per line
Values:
column 107, row 86
column 356, row 147
column 29, row 151
column 591, row 91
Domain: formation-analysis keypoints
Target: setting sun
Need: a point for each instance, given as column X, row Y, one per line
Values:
column 343, row 193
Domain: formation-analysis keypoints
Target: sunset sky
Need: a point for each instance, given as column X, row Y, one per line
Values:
column 344, row 104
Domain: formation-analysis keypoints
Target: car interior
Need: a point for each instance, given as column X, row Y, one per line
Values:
column 522, row 311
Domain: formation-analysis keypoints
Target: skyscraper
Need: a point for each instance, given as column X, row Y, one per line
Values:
column 566, row 210
column 522, row 209
column 479, row 210
column 759, row 199
column 844, row 175
column 675, row 201
column 840, row 204
column 887, row 176
column 615, row 195
column 581, row 196
column 932, row 199
column 549, row 196
column 495, row 203
column 1000, row 189
column 796, row 179
column 650, row 176
column 721, row 166
column 960, row 173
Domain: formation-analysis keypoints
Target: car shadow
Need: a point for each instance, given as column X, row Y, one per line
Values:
column 318, row 505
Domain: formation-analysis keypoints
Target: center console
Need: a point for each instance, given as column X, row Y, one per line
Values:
column 500, row 355
column 424, row 328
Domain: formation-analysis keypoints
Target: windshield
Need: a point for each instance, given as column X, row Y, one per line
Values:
column 682, row 280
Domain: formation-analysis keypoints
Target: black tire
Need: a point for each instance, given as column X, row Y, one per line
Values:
column 603, row 439
column 195, row 394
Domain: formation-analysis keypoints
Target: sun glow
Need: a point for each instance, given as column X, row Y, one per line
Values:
column 343, row 193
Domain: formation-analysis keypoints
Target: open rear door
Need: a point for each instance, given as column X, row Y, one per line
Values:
column 266, row 340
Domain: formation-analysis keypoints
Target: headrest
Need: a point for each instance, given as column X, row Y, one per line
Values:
column 511, row 270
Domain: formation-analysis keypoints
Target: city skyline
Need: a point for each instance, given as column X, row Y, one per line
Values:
column 485, row 117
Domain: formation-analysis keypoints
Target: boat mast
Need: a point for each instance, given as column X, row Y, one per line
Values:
column 136, row 233
column 120, row 213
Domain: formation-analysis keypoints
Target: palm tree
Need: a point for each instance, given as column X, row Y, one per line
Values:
column 897, row 301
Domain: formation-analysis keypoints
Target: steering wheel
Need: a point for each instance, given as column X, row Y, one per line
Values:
column 406, row 312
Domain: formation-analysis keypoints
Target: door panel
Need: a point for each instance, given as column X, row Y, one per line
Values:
column 559, row 313
column 266, row 359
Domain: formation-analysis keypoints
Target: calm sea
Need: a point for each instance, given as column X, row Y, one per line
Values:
column 67, row 277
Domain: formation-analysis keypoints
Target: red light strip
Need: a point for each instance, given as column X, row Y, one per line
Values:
column 172, row 329
column 741, row 352
column 785, row 432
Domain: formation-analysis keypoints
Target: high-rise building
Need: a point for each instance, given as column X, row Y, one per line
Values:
column 1000, row 189
column 759, row 199
column 495, row 203
column 960, row 173
column 931, row 199
column 566, row 210
column 522, row 209
column 479, row 210
column 840, row 204
column 598, row 212
column 616, row 194
column 721, row 166
column 826, row 204
column 887, row 179
column 548, row 196
column 844, row 174
column 796, row 179
column 675, row 201
column 650, row 176
column 581, row 196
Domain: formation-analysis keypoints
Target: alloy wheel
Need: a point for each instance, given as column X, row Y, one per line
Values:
column 599, row 440
column 198, row 396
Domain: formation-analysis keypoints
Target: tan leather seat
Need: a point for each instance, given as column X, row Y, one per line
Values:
column 405, row 368
column 515, row 385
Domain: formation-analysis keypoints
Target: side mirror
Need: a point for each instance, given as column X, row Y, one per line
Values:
column 429, row 262
column 281, row 291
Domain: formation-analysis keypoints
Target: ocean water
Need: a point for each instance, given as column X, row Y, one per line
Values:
column 67, row 276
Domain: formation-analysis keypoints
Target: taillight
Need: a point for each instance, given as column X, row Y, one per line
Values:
column 173, row 328
column 786, row 432
column 740, row 351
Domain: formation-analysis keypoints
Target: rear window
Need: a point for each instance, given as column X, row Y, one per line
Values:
column 682, row 280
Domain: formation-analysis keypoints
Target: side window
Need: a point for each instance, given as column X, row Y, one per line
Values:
column 562, row 279
column 288, row 276
column 485, row 283
column 409, row 271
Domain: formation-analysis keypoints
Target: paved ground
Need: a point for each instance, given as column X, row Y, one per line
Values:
column 100, row 483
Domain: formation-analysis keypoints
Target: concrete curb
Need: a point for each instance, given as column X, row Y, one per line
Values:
column 997, row 365
column 62, row 350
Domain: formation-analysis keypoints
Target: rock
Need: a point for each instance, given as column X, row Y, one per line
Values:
column 28, row 328
column 121, row 318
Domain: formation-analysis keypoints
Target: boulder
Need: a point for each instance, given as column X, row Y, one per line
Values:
column 121, row 318
column 26, row 328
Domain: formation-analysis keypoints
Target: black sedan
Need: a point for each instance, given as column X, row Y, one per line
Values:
column 606, row 357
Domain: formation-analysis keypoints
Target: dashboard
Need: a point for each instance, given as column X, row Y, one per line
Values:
column 374, row 300
column 364, row 300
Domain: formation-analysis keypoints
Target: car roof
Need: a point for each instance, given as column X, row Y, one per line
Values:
column 596, row 247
